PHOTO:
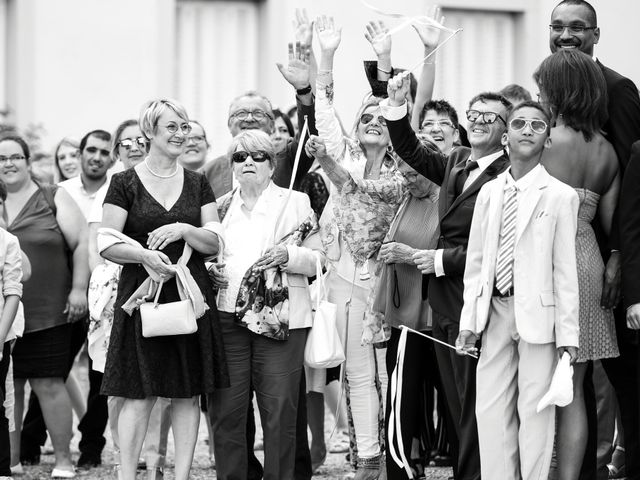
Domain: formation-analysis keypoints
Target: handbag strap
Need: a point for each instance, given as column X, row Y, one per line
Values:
column 321, row 287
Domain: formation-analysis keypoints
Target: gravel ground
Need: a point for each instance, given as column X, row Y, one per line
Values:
column 335, row 466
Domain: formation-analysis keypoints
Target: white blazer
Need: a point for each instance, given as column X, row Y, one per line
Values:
column 302, row 260
column 545, row 277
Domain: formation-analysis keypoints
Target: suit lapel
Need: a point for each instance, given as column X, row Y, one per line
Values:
column 494, row 223
column 451, row 184
column 529, row 201
column 489, row 173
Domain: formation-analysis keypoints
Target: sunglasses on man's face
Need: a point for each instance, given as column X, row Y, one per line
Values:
column 366, row 118
column 537, row 126
column 241, row 156
column 487, row 117
column 127, row 143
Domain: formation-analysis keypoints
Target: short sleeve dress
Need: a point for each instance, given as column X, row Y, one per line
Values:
column 180, row 366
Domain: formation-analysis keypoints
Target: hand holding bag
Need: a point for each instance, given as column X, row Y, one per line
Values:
column 173, row 318
column 323, row 348
column 162, row 319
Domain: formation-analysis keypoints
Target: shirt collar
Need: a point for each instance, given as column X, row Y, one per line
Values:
column 525, row 182
column 484, row 162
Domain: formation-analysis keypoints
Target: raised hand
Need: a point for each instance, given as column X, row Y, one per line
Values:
column 303, row 28
column 398, row 88
column 376, row 35
column 430, row 36
column 297, row 70
column 329, row 35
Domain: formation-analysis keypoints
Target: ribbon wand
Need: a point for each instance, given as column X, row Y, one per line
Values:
column 469, row 354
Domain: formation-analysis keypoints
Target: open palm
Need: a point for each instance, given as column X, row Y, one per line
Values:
column 429, row 35
column 328, row 35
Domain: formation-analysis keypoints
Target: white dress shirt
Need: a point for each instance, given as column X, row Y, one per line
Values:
column 245, row 232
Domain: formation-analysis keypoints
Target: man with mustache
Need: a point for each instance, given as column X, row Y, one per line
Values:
column 574, row 24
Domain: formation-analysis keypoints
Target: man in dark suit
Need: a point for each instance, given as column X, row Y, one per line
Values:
column 460, row 174
column 629, row 209
column 630, row 237
column 574, row 24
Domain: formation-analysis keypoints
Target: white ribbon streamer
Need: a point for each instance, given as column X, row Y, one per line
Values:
column 408, row 20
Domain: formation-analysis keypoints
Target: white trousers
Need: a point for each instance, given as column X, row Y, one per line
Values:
column 512, row 376
column 360, row 367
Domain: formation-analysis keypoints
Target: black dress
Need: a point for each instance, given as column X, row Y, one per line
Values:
column 180, row 366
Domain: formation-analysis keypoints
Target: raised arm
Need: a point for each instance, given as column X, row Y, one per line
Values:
column 379, row 71
column 424, row 157
column 430, row 38
column 329, row 128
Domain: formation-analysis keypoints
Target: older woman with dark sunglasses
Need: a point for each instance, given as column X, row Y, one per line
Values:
column 257, row 216
column 352, row 230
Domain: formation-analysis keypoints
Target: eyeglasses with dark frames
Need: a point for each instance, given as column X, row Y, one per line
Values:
column 256, row 114
column 12, row 159
column 574, row 28
column 487, row 117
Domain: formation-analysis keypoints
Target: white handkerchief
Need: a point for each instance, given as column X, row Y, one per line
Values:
column 561, row 389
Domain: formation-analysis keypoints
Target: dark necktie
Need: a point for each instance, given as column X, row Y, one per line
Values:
column 464, row 174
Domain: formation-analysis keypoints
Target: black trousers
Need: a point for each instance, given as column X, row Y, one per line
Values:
column 420, row 376
column 302, row 466
column 623, row 373
column 94, row 422
column 458, row 374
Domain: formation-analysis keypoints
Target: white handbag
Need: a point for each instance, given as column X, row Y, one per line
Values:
column 173, row 318
column 323, row 348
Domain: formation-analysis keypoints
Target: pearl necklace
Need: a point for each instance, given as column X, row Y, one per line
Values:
column 146, row 164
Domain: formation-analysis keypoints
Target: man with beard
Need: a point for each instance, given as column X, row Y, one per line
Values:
column 574, row 24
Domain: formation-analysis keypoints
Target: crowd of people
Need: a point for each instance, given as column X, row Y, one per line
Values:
column 468, row 265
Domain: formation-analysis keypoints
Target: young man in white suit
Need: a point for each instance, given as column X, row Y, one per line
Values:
column 521, row 294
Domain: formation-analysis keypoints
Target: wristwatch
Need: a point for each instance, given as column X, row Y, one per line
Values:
column 303, row 91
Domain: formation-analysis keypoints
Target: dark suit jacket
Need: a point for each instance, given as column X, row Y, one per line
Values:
column 622, row 129
column 445, row 293
column 623, row 126
column 629, row 211
column 219, row 172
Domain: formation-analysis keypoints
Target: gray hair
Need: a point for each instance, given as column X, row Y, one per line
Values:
column 252, row 141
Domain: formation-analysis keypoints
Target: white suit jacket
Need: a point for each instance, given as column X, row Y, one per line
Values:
column 544, row 270
column 302, row 260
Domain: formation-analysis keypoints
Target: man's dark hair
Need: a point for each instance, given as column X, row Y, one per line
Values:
column 442, row 107
column 532, row 104
column 516, row 91
column 593, row 16
column 574, row 87
column 492, row 97
column 101, row 134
